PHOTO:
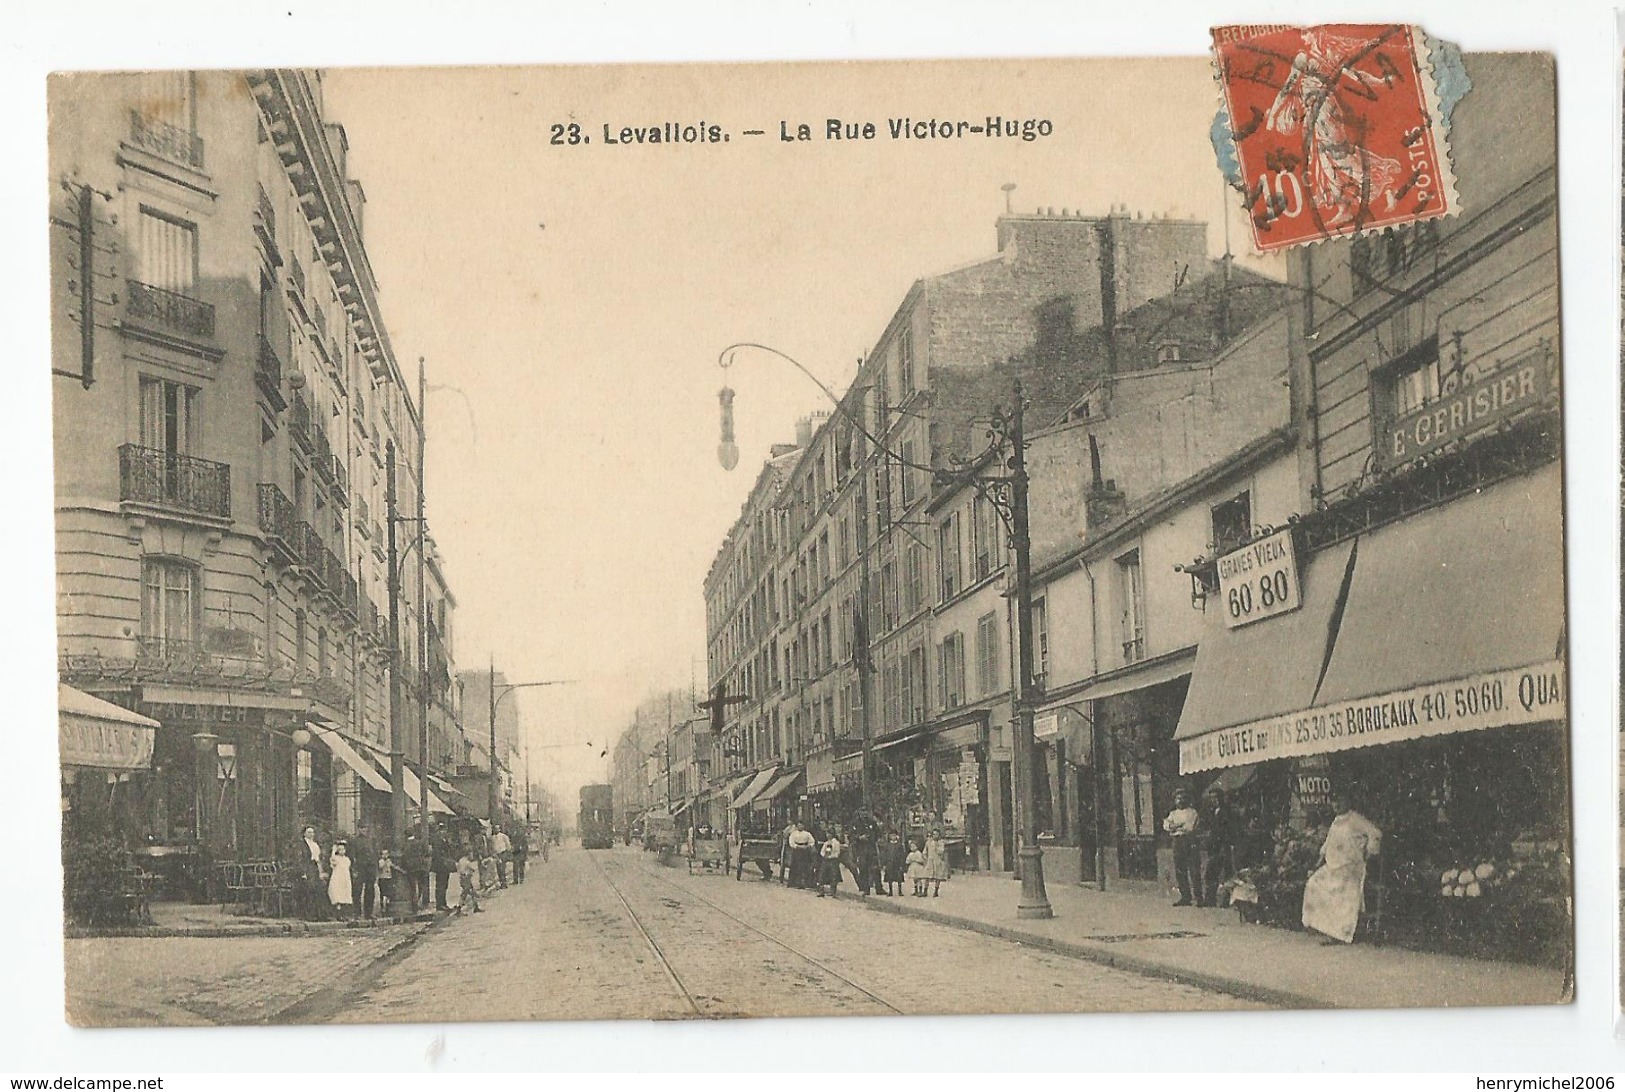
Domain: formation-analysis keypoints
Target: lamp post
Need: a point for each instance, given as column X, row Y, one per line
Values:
column 495, row 700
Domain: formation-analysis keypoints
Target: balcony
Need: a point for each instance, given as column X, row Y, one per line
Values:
column 268, row 375
column 341, row 483
column 308, row 548
column 278, row 520
column 265, row 227
column 296, row 281
column 363, row 517
column 299, row 421
column 166, row 141
column 321, row 453
column 168, row 479
column 169, row 312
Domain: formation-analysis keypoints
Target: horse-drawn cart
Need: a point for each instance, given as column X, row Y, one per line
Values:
column 763, row 851
column 710, row 854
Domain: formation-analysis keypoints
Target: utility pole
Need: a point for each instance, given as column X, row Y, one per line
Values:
column 860, row 633
column 397, row 772
column 1034, row 902
column 423, row 626
column 491, row 800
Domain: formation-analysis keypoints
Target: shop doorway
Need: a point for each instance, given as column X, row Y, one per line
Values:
column 1137, row 809
column 1007, row 842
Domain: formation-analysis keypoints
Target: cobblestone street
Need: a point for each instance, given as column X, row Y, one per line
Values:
column 118, row 981
column 613, row 934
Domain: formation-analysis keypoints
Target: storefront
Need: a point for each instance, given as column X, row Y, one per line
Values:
column 774, row 805
column 1423, row 679
column 744, row 819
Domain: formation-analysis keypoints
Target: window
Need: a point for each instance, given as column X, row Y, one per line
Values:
column 948, row 559
column 828, row 642
column 321, row 651
column 987, row 654
column 1168, row 352
column 844, row 534
column 888, row 596
column 987, row 540
column 914, row 591
column 1040, row 639
column 165, row 252
column 1232, row 522
column 909, row 474
column 913, row 687
column 1131, row 594
column 299, row 640
column 270, row 627
column 905, row 363
column 1414, row 379
column 170, row 610
column 171, row 98
column 951, row 671
column 167, row 415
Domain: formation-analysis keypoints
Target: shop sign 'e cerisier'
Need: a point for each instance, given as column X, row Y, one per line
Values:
column 1260, row 580
column 1473, row 408
column 1489, row 699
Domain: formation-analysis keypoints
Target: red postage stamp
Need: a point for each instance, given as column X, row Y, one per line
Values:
column 1336, row 129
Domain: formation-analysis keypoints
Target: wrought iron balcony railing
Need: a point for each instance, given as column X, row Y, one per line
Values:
column 167, row 141
column 363, row 517
column 172, row 480
column 308, row 547
column 299, row 420
column 277, row 515
column 341, row 482
column 321, row 453
column 171, row 311
column 268, row 373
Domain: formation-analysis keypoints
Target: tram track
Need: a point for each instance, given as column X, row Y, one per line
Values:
column 701, row 1009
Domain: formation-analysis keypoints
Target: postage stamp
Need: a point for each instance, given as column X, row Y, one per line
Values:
column 1336, row 129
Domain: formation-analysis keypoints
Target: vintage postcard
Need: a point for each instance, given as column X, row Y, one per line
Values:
column 765, row 540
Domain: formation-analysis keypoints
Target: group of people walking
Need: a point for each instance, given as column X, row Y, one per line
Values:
column 351, row 877
column 881, row 862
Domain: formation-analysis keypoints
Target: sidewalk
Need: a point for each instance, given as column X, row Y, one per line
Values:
column 1211, row 948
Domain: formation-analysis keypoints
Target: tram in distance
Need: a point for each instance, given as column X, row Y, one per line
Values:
column 596, row 823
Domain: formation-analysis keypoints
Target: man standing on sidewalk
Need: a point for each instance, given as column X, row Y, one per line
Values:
column 363, row 873
column 415, row 864
column 521, row 849
column 502, row 850
column 1181, row 826
column 442, row 862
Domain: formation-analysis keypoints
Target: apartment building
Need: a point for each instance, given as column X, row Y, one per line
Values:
column 227, row 410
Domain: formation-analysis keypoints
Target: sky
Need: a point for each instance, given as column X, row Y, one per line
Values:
column 571, row 302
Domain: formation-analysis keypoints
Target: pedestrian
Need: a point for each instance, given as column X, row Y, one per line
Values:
column 340, row 891
column 914, row 866
column 363, row 873
column 865, row 854
column 1181, row 826
column 802, row 846
column 784, row 852
column 442, row 862
column 501, row 854
column 386, row 883
column 488, row 863
column 893, row 864
column 829, row 865
column 414, row 868
column 310, row 876
column 1336, row 890
column 936, row 861
column 1217, row 834
column 521, row 851
column 468, row 871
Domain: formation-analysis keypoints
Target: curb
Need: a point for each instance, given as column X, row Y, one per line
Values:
column 278, row 929
column 316, row 1008
column 1151, row 968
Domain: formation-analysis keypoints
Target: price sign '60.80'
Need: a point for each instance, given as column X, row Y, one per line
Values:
column 1259, row 581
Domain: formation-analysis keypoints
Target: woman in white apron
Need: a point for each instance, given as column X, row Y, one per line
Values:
column 339, row 892
column 1335, row 891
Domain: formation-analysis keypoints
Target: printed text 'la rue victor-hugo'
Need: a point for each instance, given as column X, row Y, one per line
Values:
column 997, row 126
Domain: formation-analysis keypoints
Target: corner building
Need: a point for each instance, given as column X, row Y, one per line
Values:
column 226, row 404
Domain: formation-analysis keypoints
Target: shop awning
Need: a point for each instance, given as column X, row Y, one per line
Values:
column 93, row 732
column 907, row 735
column 757, row 784
column 1453, row 622
column 1474, row 586
column 1262, row 670
column 1163, row 669
column 346, row 754
column 781, row 785
column 414, row 792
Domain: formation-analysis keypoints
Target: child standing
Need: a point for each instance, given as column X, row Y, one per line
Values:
column 339, row 892
column 386, row 881
column 829, row 865
column 468, row 873
column 915, row 864
column 936, row 861
column 893, row 864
